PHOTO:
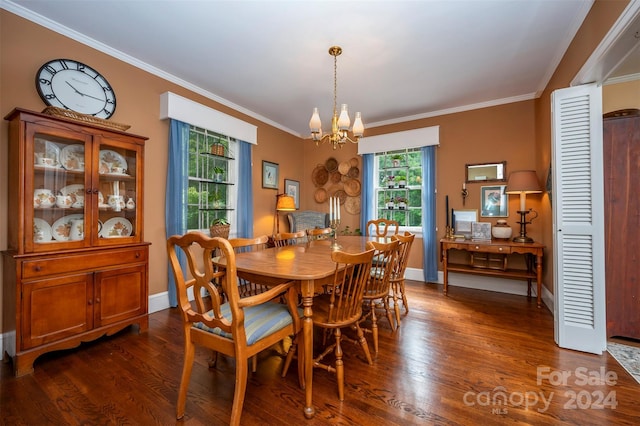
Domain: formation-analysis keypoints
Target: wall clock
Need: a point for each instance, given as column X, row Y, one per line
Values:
column 69, row 84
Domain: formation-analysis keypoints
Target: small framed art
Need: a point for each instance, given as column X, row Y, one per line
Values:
column 292, row 188
column 493, row 201
column 462, row 220
column 269, row 175
column 480, row 231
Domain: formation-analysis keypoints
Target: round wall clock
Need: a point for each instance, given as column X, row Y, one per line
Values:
column 72, row 85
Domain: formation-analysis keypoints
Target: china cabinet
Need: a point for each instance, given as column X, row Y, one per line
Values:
column 76, row 267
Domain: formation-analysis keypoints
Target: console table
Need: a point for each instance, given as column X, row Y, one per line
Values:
column 491, row 258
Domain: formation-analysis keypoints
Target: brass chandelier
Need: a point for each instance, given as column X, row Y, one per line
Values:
column 339, row 124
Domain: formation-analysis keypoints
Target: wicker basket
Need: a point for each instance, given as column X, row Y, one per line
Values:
column 220, row 231
column 84, row 118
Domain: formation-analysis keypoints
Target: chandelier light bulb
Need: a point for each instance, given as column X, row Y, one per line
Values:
column 343, row 121
column 315, row 124
column 339, row 124
column 358, row 127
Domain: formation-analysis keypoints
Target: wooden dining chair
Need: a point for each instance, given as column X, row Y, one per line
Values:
column 239, row 328
column 319, row 233
column 289, row 238
column 378, row 288
column 382, row 227
column 397, row 278
column 248, row 287
column 340, row 308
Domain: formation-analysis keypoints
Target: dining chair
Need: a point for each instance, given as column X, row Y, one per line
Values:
column 289, row 238
column 397, row 278
column 378, row 287
column 381, row 227
column 319, row 233
column 340, row 308
column 240, row 327
column 246, row 286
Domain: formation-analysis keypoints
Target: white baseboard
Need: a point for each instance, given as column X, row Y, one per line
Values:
column 479, row 282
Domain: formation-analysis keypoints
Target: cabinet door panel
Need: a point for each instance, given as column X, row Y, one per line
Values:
column 56, row 308
column 120, row 294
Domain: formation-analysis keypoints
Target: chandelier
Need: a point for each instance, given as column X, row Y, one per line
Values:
column 339, row 124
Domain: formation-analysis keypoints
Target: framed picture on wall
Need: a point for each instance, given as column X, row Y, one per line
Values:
column 493, row 201
column 292, row 188
column 269, row 175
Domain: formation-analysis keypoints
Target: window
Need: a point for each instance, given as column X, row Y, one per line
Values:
column 212, row 171
column 398, row 187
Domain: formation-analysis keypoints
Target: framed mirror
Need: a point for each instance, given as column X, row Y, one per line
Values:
column 486, row 172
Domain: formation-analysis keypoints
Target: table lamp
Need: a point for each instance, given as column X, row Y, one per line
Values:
column 523, row 182
column 284, row 203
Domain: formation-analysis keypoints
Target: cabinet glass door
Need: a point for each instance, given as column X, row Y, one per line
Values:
column 118, row 197
column 57, row 181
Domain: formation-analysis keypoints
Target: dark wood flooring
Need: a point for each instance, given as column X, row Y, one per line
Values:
column 470, row 358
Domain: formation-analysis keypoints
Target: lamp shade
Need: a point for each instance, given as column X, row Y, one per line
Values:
column 523, row 182
column 286, row 203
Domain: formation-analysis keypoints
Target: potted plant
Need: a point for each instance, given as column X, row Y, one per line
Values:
column 401, row 179
column 390, row 203
column 220, row 228
column 396, row 159
column 218, row 174
column 402, row 202
column 390, row 182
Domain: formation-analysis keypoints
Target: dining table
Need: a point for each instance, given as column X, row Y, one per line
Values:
column 309, row 265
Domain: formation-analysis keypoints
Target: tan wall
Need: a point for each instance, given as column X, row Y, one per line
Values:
column 600, row 19
column 517, row 133
column 621, row 96
column 26, row 46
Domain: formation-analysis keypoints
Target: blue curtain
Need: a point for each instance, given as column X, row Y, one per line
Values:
column 367, row 194
column 429, row 240
column 244, row 214
column 176, row 194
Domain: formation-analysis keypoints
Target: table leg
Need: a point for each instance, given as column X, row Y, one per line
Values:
column 307, row 330
column 539, row 277
column 445, row 273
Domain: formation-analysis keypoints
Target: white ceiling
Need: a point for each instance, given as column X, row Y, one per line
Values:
column 401, row 59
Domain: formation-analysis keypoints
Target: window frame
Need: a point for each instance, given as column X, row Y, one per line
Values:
column 378, row 188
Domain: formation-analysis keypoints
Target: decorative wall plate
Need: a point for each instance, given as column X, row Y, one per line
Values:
column 72, row 157
column 61, row 228
column 41, row 230
column 116, row 227
column 112, row 158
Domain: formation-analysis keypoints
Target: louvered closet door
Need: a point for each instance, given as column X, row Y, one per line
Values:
column 579, row 272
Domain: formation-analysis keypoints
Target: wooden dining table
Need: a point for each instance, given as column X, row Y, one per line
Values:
column 311, row 267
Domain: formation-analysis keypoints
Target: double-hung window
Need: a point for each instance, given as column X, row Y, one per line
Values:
column 398, row 187
column 212, row 190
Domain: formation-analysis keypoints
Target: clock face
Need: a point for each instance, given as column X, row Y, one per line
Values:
column 69, row 84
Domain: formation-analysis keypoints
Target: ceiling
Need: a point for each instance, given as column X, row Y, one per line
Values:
column 401, row 60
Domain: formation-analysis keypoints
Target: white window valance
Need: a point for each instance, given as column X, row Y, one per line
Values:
column 183, row 109
column 416, row 138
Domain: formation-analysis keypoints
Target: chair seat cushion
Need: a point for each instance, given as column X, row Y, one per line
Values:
column 259, row 321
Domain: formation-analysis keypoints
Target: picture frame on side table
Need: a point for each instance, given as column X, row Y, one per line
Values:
column 493, row 201
column 292, row 188
column 481, row 231
column 462, row 220
column 270, row 173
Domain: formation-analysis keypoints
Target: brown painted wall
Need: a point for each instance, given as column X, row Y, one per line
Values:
column 517, row 133
column 601, row 17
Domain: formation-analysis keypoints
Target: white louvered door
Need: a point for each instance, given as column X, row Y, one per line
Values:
column 579, row 276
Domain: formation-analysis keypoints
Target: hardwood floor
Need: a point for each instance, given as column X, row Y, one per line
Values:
column 449, row 363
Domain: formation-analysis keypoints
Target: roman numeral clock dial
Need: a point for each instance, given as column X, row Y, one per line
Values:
column 69, row 84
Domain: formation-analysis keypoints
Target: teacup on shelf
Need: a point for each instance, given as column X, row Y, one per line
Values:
column 64, row 201
column 43, row 198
